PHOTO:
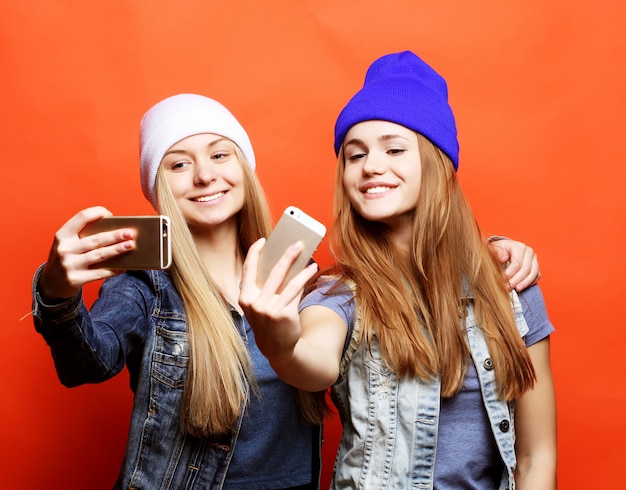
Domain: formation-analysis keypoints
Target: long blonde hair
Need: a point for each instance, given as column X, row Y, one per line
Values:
column 418, row 326
column 220, row 375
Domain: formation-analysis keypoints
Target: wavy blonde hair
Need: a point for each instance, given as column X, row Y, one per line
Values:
column 220, row 375
column 418, row 326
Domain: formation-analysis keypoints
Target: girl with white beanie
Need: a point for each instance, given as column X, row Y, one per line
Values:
column 209, row 411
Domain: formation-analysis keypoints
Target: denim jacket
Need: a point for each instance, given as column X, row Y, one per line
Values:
column 139, row 321
column 390, row 424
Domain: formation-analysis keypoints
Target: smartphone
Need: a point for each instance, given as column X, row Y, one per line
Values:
column 293, row 225
column 153, row 242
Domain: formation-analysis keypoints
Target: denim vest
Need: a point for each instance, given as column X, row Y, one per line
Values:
column 390, row 425
column 142, row 312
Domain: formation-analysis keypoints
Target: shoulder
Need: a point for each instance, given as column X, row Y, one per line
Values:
column 535, row 314
column 332, row 293
column 328, row 288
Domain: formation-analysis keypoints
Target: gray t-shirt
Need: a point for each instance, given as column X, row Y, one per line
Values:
column 467, row 455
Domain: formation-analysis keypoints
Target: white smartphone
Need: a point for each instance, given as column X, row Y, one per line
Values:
column 153, row 241
column 293, row 225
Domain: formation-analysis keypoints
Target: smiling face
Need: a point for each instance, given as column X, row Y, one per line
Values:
column 382, row 173
column 206, row 179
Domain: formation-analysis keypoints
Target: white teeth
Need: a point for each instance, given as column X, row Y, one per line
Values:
column 377, row 190
column 209, row 198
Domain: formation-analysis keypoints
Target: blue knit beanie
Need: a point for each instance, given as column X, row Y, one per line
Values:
column 402, row 89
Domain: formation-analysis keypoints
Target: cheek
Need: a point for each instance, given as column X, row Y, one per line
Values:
column 233, row 174
column 237, row 183
column 238, row 188
column 175, row 183
column 413, row 178
column 349, row 177
column 352, row 193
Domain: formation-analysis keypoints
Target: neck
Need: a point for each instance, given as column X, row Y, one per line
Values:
column 401, row 239
column 222, row 256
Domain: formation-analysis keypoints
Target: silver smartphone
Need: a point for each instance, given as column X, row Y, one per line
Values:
column 293, row 225
column 153, row 242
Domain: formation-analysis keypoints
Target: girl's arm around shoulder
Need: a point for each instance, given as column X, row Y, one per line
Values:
column 522, row 265
column 535, row 426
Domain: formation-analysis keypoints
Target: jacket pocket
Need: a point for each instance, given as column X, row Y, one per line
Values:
column 171, row 357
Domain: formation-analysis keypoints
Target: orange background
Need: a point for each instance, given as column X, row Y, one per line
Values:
column 538, row 89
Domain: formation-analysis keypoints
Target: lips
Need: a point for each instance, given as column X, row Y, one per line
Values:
column 209, row 198
column 377, row 190
column 373, row 188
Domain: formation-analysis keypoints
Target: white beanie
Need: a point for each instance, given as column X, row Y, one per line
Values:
column 176, row 118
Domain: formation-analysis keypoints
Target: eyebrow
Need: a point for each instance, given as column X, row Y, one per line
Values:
column 384, row 137
column 211, row 144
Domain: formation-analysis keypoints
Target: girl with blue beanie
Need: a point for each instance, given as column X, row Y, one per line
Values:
column 440, row 372
column 208, row 410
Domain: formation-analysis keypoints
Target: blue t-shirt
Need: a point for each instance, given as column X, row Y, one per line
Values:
column 271, row 415
column 467, row 455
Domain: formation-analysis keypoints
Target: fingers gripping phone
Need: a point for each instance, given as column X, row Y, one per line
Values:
column 294, row 225
column 153, row 250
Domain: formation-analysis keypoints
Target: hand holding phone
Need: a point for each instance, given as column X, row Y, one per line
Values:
column 294, row 225
column 153, row 250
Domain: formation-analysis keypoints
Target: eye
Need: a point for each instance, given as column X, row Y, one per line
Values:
column 220, row 155
column 180, row 164
column 353, row 157
column 396, row 151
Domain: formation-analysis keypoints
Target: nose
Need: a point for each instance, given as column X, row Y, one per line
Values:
column 374, row 164
column 204, row 173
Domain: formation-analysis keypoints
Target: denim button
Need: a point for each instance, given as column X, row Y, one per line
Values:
column 488, row 364
column 462, row 311
column 504, row 425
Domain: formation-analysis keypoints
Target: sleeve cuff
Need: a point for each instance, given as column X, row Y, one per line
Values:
column 40, row 305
